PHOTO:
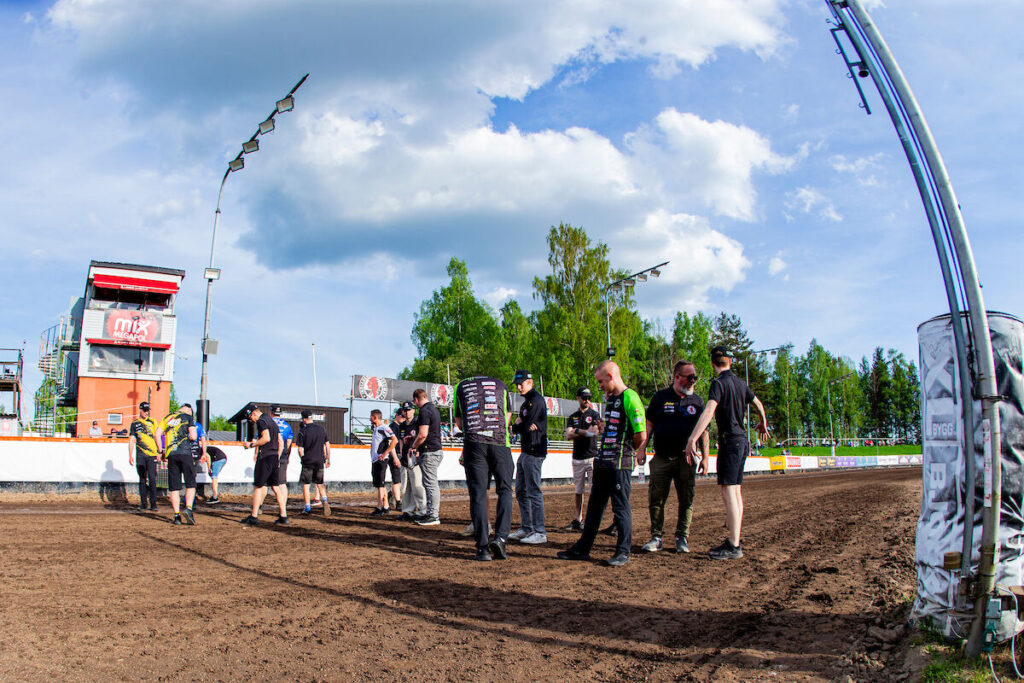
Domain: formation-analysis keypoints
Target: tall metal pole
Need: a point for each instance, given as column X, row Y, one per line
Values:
column 984, row 386
column 831, row 434
column 204, row 406
column 316, row 396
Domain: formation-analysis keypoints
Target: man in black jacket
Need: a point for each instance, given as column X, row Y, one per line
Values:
column 532, row 426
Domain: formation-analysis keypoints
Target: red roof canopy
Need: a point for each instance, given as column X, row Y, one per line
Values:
column 135, row 283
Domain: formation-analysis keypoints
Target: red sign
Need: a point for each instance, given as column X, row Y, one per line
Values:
column 441, row 394
column 132, row 327
column 553, row 406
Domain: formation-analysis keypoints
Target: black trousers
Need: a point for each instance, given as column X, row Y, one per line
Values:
column 145, row 465
column 481, row 461
column 609, row 484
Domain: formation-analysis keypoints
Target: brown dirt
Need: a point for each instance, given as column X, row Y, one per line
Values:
column 100, row 593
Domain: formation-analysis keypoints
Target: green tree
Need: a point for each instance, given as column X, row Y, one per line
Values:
column 451, row 315
column 691, row 340
column 906, row 406
column 786, row 395
column 879, row 395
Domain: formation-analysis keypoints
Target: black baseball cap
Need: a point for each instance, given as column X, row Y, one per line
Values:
column 521, row 376
column 275, row 409
column 249, row 409
column 721, row 351
column 144, row 405
column 405, row 406
column 584, row 392
column 306, row 412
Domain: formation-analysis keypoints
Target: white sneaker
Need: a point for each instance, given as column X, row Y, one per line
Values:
column 536, row 538
column 519, row 534
column 469, row 531
column 653, row 545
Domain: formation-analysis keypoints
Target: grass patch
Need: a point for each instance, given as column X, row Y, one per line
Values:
column 825, row 451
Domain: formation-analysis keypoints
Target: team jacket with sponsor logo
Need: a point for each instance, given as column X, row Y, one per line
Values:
column 483, row 403
column 584, row 447
column 624, row 417
column 533, row 411
column 674, row 418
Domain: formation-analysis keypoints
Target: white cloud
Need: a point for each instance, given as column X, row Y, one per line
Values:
column 862, row 168
column 812, row 201
column 701, row 258
column 776, row 265
column 708, row 162
column 498, row 296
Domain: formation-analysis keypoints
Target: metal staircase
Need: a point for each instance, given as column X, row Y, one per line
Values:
column 60, row 376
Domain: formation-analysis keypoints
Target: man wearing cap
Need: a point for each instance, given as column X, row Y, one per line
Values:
column 143, row 453
column 671, row 416
column 178, row 431
column 269, row 447
column 315, row 455
column 483, row 408
column 625, row 433
column 583, row 429
column 413, row 495
column 727, row 398
column 426, row 448
column 532, row 427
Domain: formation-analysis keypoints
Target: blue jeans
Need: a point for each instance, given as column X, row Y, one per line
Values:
column 528, row 495
column 429, row 462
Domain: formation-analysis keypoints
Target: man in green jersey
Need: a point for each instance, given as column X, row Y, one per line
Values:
column 625, row 432
column 482, row 410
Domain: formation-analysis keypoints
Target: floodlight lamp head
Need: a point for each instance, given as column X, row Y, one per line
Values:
column 267, row 126
column 236, row 164
column 250, row 146
column 655, row 272
column 615, row 288
column 629, row 282
column 642, row 277
column 287, row 104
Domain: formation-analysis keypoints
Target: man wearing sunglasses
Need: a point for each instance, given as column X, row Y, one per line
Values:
column 671, row 417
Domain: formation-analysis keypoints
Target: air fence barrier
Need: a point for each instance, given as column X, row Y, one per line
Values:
column 58, row 465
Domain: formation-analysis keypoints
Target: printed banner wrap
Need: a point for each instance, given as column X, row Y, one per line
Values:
column 940, row 527
column 777, row 463
column 374, row 388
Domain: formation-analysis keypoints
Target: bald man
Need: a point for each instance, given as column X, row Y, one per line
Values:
column 625, row 433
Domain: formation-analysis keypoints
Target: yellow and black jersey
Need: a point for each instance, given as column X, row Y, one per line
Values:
column 174, row 428
column 144, row 431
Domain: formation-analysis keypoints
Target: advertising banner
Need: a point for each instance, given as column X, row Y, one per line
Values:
column 846, row 461
column 375, row 388
column 778, row 463
column 794, row 462
column 131, row 327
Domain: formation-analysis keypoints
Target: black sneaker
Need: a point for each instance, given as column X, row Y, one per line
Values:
column 249, row 520
column 682, row 544
column 617, row 560
column 574, row 525
column 427, row 520
column 152, row 508
column 498, row 549
column 405, row 517
column 483, row 555
column 572, row 554
column 385, row 511
column 282, row 521
column 377, row 512
column 177, row 520
column 610, row 530
column 213, row 501
column 726, row 551
column 189, row 517
column 142, row 508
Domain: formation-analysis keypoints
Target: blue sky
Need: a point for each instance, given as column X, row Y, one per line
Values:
column 723, row 135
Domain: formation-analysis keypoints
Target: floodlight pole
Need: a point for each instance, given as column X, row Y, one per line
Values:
column 946, row 223
column 746, row 374
column 628, row 281
column 236, row 164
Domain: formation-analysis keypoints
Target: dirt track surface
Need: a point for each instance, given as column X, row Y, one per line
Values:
column 126, row 596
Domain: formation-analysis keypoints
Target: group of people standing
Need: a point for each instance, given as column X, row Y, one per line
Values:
column 606, row 449
column 605, row 452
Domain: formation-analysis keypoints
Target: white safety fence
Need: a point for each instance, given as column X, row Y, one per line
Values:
column 76, row 461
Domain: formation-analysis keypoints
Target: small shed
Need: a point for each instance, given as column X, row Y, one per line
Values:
column 331, row 417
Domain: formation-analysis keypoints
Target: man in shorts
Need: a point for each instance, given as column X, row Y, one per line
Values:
column 727, row 398
column 671, row 416
column 269, row 446
column 625, row 433
column 143, row 453
column 288, row 437
column 482, row 408
column 215, row 460
column 384, row 459
column 178, row 431
column 315, row 454
column 583, row 428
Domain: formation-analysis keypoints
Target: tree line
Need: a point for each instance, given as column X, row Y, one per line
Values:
column 458, row 335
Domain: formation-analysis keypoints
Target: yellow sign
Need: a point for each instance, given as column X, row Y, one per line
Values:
column 777, row 462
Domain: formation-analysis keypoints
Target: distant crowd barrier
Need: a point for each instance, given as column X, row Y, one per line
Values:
column 105, row 461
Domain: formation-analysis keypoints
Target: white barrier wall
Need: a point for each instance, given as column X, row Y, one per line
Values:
column 105, row 460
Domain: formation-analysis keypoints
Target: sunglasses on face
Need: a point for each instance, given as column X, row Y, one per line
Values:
column 692, row 378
